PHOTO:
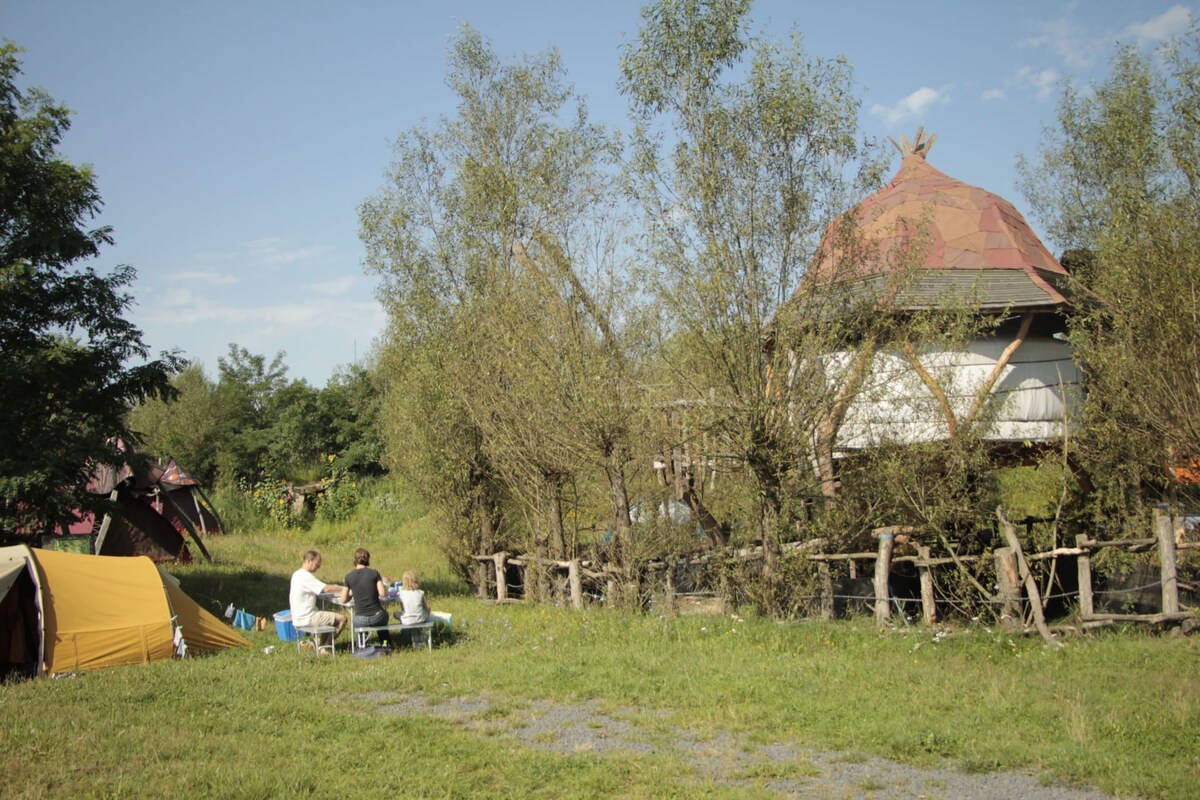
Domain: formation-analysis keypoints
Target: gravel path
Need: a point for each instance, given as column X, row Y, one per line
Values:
column 791, row 771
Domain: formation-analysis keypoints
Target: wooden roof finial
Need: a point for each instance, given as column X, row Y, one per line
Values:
column 919, row 146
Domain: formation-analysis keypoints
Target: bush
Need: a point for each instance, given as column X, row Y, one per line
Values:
column 339, row 497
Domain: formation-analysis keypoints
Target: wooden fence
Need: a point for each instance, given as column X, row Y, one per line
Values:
column 1016, row 587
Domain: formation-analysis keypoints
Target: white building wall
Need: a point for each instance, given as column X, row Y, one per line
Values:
column 1037, row 390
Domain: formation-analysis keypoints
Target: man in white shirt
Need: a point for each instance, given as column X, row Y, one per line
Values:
column 303, row 596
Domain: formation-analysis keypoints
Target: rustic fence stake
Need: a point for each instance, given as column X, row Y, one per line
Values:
column 576, row 582
column 1035, row 597
column 928, row 604
column 1084, row 563
column 883, row 566
column 669, row 591
column 826, row 590
column 1166, row 556
column 501, row 580
column 1008, row 588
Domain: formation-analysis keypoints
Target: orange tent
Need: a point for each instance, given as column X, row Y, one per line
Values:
column 66, row 612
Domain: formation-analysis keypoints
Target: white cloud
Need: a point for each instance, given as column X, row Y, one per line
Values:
column 175, row 298
column 1044, row 82
column 206, row 277
column 993, row 94
column 316, row 334
column 182, row 307
column 914, row 105
column 1175, row 20
column 272, row 251
column 1068, row 42
column 335, row 287
column 268, row 251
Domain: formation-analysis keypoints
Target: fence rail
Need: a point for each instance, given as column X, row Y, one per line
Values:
column 1016, row 586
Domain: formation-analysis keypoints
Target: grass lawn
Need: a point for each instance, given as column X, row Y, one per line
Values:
column 1116, row 711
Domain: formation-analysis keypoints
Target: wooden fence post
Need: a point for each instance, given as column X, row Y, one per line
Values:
column 541, row 573
column 883, row 566
column 1008, row 588
column 1166, row 557
column 1031, row 588
column 928, row 604
column 669, row 588
column 826, row 589
column 501, row 580
column 1084, row 564
column 576, row 583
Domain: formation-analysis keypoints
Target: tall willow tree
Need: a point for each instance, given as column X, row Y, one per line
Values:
column 492, row 241
column 1117, row 183
column 742, row 154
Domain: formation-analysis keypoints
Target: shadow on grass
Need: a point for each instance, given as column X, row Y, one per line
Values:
column 215, row 586
column 447, row 588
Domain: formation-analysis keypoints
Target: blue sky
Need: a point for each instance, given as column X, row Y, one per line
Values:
column 234, row 141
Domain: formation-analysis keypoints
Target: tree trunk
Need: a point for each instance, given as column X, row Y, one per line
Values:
column 558, row 548
column 761, row 461
column 486, row 522
column 622, row 528
column 704, row 518
column 825, row 473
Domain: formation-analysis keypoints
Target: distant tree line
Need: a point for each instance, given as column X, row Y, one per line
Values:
column 252, row 422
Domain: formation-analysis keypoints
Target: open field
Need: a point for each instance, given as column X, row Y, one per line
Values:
column 529, row 701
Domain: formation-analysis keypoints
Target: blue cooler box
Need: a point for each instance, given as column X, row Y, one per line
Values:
column 284, row 628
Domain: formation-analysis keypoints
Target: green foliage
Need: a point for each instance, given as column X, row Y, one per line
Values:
column 505, row 368
column 186, row 427
column 348, row 409
column 247, row 387
column 255, row 423
column 745, row 152
column 1116, row 183
column 64, row 375
column 974, row 700
column 272, row 501
column 340, row 495
column 238, row 511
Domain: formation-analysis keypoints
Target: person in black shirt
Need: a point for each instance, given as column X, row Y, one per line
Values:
column 367, row 587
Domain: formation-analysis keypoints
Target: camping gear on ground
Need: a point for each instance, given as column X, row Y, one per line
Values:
column 244, row 620
column 66, row 612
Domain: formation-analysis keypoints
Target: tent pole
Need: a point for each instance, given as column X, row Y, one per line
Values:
column 187, row 523
column 211, row 508
column 103, row 534
column 199, row 515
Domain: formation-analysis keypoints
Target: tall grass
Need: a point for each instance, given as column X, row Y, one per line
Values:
column 1117, row 710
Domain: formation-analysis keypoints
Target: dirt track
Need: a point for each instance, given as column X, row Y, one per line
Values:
column 789, row 770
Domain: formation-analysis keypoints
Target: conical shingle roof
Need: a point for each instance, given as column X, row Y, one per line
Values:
column 973, row 237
